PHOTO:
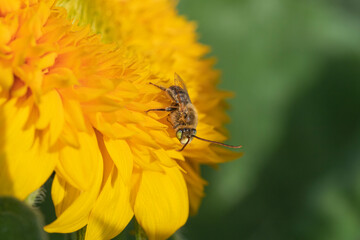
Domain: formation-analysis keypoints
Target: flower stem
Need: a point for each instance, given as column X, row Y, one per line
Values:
column 178, row 236
column 35, row 197
column 80, row 234
column 139, row 232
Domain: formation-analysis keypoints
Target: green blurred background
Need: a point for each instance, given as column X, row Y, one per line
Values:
column 295, row 69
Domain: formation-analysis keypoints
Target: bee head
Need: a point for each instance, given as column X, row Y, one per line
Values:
column 185, row 135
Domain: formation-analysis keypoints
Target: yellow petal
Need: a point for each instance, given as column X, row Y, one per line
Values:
column 164, row 139
column 122, row 156
column 47, row 60
column 175, row 155
column 162, row 156
column 77, row 165
column 112, row 211
column 110, row 129
column 143, row 159
column 63, row 194
column 37, row 20
column 25, row 163
column 48, row 109
column 72, row 206
column 9, row 6
column 108, row 162
column 5, row 33
column 87, row 94
column 151, row 123
column 58, row 77
column 57, row 122
column 74, row 114
column 127, row 116
column 69, row 136
column 19, row 89
column 161, row 205
column 195, row 184
column 102, row 104
column 142, row 137
column 51, row 113
column 6, row 77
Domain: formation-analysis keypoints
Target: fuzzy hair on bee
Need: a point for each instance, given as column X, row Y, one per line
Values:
column 183, row 115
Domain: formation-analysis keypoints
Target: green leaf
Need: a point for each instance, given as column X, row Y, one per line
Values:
column 19, row 221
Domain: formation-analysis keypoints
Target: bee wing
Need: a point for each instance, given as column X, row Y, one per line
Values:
column 180, row 83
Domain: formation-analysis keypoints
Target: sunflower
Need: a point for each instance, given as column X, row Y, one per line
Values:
column 74, row 90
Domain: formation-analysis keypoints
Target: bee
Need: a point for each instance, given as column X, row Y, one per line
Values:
column 183, row 115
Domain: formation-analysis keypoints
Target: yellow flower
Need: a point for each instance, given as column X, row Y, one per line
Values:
column 71, row 103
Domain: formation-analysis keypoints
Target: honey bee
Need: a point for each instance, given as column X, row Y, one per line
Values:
column 183, row 115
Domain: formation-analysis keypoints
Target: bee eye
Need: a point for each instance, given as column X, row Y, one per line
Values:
column 179, row 134
column 194, row 132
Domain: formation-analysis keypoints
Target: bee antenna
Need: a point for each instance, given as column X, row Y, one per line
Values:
column 218, row 143
column 184, row 145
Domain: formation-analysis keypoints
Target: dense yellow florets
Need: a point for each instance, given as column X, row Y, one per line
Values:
column 73, row 104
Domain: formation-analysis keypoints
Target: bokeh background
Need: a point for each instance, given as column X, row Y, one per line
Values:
column 295, row 69
column 294, row 66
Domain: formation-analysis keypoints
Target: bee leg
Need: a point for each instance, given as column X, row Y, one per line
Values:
column 168, row 109
column 162, row 88
column 169, row 121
